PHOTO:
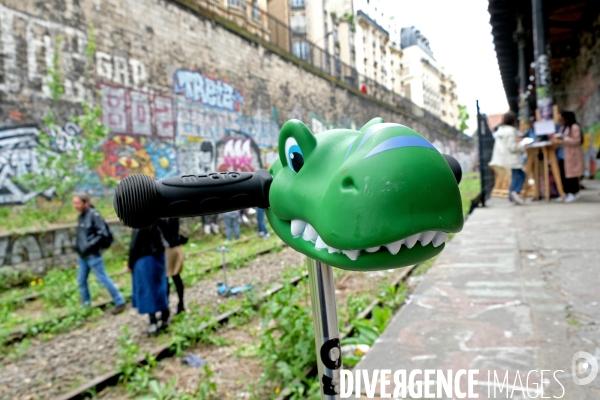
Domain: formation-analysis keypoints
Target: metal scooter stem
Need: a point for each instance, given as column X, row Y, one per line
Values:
column 327, row 333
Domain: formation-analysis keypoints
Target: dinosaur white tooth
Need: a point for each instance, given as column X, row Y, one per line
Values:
column 372, row 249
column 310, row 234
column 394, row 247
column 352, row 254
column 297, row 227
column 320, row 244
column 332, row 250
column 426, row 237
column 440, row 237
column 411, row 241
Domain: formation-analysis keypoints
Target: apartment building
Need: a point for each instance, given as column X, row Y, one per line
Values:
column 372, row 53
column 362, row 43
column 309, row 22
column 249, row 14
column 424, row 81
column 378, row 52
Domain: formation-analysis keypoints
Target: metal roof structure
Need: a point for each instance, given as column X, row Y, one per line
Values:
column 564, row 21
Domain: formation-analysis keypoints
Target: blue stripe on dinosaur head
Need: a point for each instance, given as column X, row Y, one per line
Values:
column 398, row 142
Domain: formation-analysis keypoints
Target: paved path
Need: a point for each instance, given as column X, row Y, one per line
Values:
column 517, row 290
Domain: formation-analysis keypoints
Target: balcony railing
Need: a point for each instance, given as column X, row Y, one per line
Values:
column 282, row 36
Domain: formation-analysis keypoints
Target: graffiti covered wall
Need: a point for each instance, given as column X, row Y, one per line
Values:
column 578, row 90
column 180, row 93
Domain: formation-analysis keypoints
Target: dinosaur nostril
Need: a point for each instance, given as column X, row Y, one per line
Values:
column 348, row 184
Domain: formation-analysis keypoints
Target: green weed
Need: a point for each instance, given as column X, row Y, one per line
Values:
column 287, row 345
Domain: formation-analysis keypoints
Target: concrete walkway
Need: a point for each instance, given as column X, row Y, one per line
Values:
column 517, row 290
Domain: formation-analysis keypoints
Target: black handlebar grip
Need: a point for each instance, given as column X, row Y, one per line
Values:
column 140, row 200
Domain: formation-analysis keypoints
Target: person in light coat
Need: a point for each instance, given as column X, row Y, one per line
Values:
column 507, row 154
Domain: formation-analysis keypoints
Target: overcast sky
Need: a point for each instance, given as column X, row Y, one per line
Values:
column 460, row 37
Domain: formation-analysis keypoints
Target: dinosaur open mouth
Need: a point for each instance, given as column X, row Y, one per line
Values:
column 307, row 232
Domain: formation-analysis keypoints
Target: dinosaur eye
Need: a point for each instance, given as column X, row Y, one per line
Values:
column 294, row 156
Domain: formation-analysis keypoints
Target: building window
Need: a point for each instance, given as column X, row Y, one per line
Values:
column 300, row 49
column 238, row 3
column 298, row 4
column 255, row 11
column 298, row 22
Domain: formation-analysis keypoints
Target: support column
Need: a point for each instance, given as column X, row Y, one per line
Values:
column 520, row 37
column 542, row 62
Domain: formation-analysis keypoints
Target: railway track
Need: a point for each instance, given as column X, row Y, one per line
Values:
column 164, row 351
column 21, row 334
column 34, row 296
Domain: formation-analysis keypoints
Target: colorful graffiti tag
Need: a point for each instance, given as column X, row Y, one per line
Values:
column 238, row 152
column 212, row 123
column 207, row 90
column 17, row 158
column 133, row 112
column 126, row 155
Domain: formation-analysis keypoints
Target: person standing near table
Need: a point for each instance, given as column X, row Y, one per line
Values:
column 570, row 156
column 91, row 232
column 507, row 153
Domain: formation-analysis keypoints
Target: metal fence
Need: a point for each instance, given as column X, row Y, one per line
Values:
column 486, row 148
column 247, row 15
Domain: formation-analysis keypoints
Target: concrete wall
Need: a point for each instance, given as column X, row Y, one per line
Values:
column 180, row 92
column 38, row 250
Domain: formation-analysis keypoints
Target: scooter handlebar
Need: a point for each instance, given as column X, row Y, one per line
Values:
column 141, row 201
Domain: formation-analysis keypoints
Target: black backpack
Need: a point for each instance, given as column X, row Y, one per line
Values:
column 108, row 239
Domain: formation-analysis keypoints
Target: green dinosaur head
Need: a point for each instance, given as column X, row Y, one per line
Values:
column 379, row 198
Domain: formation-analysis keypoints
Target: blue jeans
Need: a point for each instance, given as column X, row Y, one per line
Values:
column 96, row 264
column 232, row 225
column 260, row 218
column 517, row 181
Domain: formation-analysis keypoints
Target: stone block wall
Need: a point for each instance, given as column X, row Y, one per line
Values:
column 36, row 251
column 180, row 92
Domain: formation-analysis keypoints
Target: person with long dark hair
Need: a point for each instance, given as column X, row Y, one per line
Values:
column 149, row 280
column 570, row 156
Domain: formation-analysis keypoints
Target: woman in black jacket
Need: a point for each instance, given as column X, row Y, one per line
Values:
column 150, row 286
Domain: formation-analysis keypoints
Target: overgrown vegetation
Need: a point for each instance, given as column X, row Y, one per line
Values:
column 287, row 345
column 65, row 163
column 469, row 186
column 60, row 295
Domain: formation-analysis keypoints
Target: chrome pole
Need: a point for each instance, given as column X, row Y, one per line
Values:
column 327, row 334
